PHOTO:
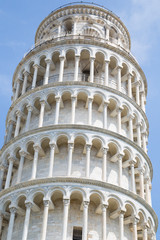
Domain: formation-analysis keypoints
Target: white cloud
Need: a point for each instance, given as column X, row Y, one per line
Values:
column 5, row 85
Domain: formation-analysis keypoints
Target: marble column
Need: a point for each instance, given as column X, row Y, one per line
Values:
column 121, row 225
column 10, row 130
column 85, row 220
column 70, row 153
column 35, row 161
column 58, row 100
column 129, row 85
column 41, row 115
column 144, row 141
column 106, row 73
column 61, row 68
column 13, row 211
column 120, row 169
column 45, row 219
column 26, row 74
column 20, row 168
column 46, row 77
column 139, row 134
column 142, row 101
column 92, row 69
column 18, row 123
column 104, row 221
column 145, row 234
column 66, row 203
column 135, row 221
column 77, row 58
column 137, row 93
column 147, row 190
column 36, row 67
column 51, row 162
column 119, row 78
column 104, row 165
column 105, row 106
column 17, row 89
column 2, row 170
column 1, row 222
column 26, row 220
column 9, row 173
column 141, row 176
column 88, row 153
column 119, row 124
column 133, row 187
column 30, row 109
column 90, row 100
column 131, row 127
column 73, row 99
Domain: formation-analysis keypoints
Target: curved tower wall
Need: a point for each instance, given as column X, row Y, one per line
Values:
column 74, row 164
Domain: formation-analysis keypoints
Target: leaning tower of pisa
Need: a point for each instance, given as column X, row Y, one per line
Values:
column 74, row 164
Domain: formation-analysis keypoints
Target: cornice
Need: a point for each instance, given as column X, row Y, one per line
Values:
column 55, row 42
column 83, row 181
column 72, row 83
column 80, row 127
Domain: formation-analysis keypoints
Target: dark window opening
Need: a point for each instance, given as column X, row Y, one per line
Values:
column 77, row 233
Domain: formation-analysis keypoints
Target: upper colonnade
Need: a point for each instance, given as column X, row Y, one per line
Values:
column 74, row 164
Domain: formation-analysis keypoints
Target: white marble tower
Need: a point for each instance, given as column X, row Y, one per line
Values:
column 74, row 164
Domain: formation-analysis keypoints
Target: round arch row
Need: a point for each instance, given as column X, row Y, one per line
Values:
column 68, row 106
column 77, row 155
column 74, row 207
column 88, row 65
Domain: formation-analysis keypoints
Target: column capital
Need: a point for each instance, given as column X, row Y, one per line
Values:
column 106, row 103
column 70, row 145
column 85, row 204
column 92, row 58
column 90, row 99
column 135, row 219
column 28, row 204
column 3, row 167
column 29, row 108
column 104, row 206
column 119, row 109
column 11, row 121
column 105, row 150
column 36, row 66
column 12, row 158
column 22, row 153
column 73, row 97
column 106, row 60
column 42, row 101
column 61, row 57
column 141, row 170
column 19, row 113
column 88, row 146
column 139, row 124
column 46, row 202
column 77, row 56
column 119, row 67
column 132, row 162
column 130, row 116
column 66, row 201
column 58, row 98
column 52, row 145
column 120, row 156
column 48, row 60
column 36, row 147
column 12, row 209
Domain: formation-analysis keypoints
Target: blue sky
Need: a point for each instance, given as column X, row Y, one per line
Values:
column 19, row 21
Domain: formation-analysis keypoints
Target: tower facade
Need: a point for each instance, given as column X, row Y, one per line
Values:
column 74, row 164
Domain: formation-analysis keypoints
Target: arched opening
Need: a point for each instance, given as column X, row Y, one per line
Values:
column 66, row 108
column 81, row 109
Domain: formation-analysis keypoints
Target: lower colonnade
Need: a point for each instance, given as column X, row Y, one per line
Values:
column 65, row 210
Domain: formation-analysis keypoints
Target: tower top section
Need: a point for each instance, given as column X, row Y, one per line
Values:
column 81, row 20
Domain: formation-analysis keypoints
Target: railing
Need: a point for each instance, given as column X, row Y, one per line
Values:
column 82, row 77
column 70, row 36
